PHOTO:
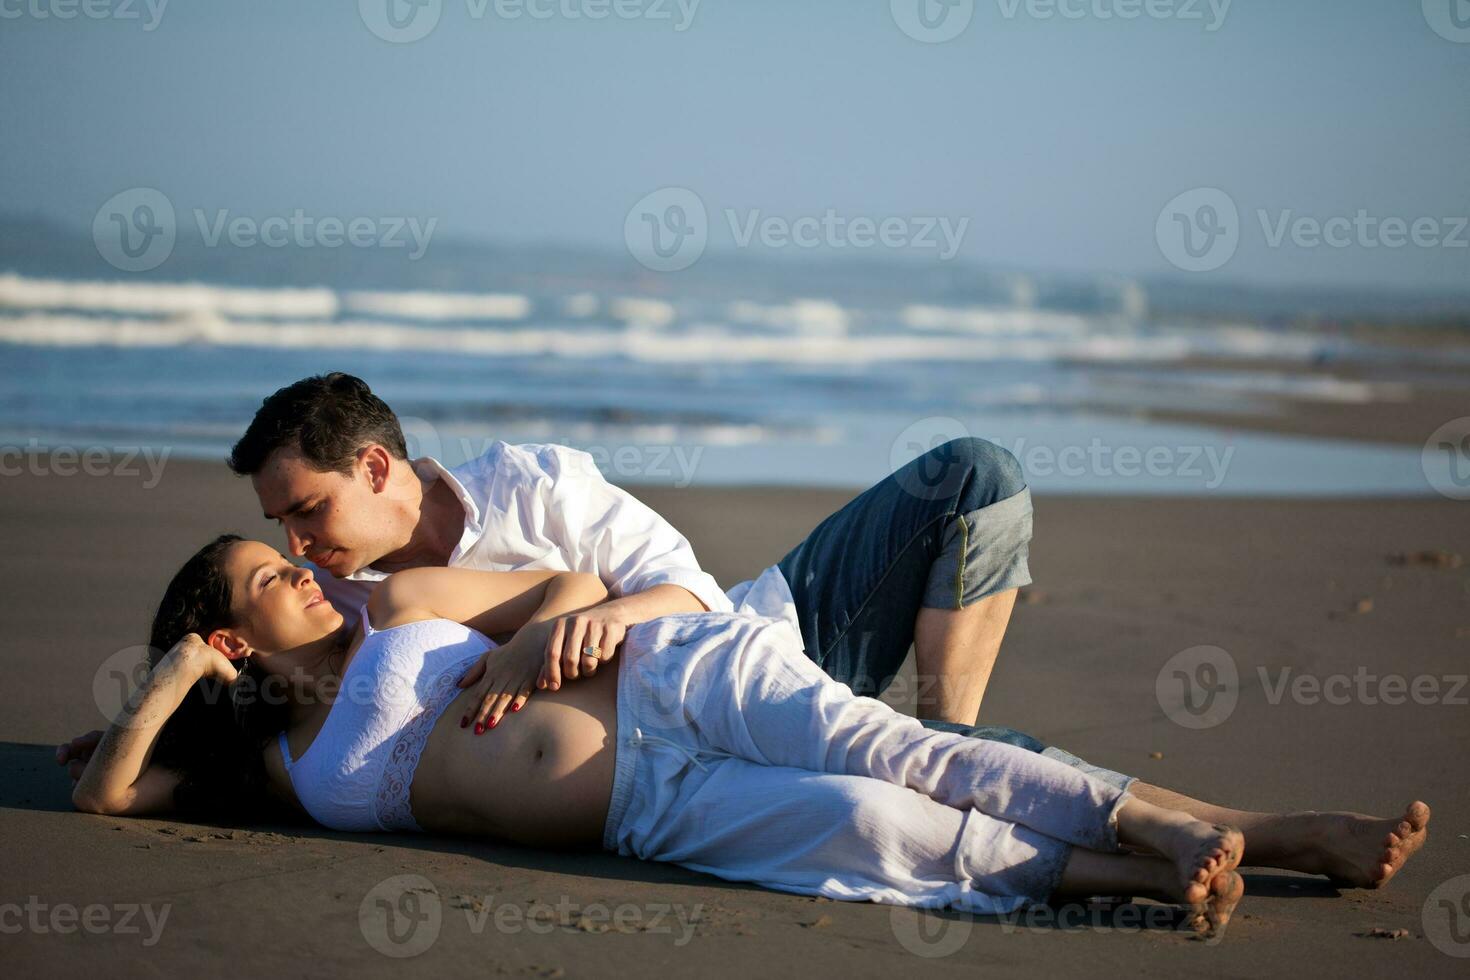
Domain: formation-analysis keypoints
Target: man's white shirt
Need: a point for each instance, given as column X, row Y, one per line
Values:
column 544, row 506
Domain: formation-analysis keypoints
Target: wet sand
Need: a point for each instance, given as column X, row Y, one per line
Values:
column 1121, row 586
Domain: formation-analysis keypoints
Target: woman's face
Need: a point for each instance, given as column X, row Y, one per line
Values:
column 280, row 612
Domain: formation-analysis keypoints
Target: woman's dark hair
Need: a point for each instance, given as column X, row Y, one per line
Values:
column 215, row 737
column 327, row 418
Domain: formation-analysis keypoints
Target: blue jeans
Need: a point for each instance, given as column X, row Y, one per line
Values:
column 950, row 526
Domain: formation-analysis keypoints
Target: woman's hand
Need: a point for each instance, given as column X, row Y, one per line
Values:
column 203, row 660
column 506, row 676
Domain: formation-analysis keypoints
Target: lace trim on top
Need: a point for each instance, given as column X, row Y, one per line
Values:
column 392, row 807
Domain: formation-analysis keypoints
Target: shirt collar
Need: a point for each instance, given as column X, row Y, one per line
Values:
column 474, row 526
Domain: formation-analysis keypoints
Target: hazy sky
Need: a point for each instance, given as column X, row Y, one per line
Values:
column 1060, row 139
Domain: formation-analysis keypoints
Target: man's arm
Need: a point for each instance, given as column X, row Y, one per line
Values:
column 602, row 629
column 607, row 531
column 647, row 565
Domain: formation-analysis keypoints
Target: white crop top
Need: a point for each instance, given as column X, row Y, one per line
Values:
column 357, row 772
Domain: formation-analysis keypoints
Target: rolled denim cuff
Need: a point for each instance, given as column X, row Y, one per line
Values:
column 983, row 552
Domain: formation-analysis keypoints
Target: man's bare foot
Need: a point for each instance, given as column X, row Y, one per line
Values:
column 1360, row 851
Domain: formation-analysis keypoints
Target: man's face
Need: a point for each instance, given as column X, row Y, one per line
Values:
column 340, row 523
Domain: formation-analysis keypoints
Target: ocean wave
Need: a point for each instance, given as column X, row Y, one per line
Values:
column 714, row 343
column 436, row 306
column 164, row 299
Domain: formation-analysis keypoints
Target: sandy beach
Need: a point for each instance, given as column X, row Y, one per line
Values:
column 1122, row 585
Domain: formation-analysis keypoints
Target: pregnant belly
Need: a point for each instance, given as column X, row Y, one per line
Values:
column 543, row 776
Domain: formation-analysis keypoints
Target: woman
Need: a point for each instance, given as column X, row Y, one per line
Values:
column 716, row 745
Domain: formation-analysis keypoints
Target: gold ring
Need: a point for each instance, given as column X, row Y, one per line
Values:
column 589, row 651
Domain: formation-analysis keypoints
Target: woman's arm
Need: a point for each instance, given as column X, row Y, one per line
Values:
column 119, row 779
column 491, row 602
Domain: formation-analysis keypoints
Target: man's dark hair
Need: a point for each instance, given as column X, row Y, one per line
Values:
column 327, row 418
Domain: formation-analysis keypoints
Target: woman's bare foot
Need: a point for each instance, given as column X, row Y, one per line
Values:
column 1204, row 856
column 1360, row 851
column 1210, row 918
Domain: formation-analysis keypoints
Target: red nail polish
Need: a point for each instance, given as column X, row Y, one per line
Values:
column 515, row 707
column 479, row 728
column 494, row 722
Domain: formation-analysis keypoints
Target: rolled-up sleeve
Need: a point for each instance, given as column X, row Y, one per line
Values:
column 605, row 530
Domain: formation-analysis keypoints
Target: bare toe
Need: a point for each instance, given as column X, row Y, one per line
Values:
column 1209, row 917
column 1402, row 842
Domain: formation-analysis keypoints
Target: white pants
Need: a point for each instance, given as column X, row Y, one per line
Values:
column 737, row 756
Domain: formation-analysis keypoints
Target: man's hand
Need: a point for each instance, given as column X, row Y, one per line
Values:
column 76, row 753
column 579, row 644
